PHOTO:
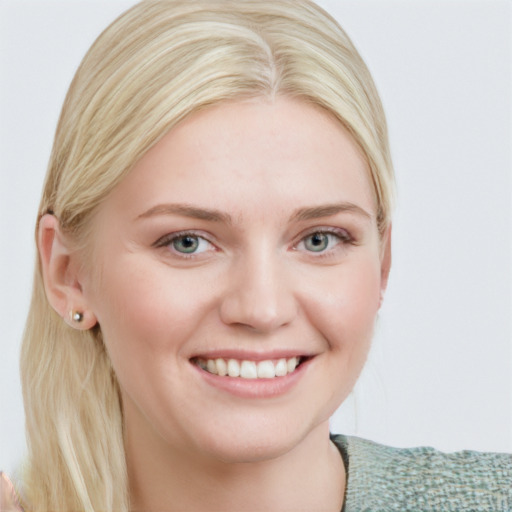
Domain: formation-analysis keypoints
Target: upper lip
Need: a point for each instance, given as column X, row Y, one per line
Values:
column 252, row 355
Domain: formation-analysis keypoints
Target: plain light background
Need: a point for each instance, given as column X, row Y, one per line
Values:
column 440, row 371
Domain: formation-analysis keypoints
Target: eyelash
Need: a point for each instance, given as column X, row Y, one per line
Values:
column 167, row 240
column 343, row 236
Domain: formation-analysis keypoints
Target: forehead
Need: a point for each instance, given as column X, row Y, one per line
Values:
column 236, row 155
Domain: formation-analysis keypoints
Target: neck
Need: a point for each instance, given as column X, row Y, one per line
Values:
column 309, row 477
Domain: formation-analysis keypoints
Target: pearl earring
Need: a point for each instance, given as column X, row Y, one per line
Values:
column 77, row 316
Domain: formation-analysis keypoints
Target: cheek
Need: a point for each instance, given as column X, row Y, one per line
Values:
column 147, row 311
column 343, row 309
column 346, row 300
column 342, row 306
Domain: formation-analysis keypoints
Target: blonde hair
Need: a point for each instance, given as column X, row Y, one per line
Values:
column 156, row 64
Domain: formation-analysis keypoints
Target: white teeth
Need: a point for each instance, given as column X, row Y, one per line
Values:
column 282, row 368
column 233, row 368
column 222, row 367
column 266, row 370
column 246, row 369
column 291, row 364
column 211, row 366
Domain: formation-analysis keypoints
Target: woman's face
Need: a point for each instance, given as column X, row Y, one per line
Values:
column 244, row 241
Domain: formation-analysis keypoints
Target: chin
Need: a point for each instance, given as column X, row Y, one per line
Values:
column 257, row 442
column 250, row 449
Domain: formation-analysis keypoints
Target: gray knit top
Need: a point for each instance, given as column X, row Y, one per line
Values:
column 381, row 478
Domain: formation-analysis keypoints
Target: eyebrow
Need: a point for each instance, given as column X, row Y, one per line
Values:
column 212, row 215
column 187, row 210
column 328, row 210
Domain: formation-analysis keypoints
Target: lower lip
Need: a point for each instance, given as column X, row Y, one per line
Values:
column 255, row 388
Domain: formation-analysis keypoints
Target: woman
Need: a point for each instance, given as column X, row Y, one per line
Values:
column 214, row 242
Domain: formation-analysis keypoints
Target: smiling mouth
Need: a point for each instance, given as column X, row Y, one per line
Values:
column 247, row 369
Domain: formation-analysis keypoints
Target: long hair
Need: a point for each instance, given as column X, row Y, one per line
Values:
column 156, row 64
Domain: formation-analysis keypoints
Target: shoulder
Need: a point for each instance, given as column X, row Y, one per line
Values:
column 8, row 499
column 424, row 479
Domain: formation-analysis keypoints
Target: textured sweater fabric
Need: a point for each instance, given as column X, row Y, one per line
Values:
column 381, row 479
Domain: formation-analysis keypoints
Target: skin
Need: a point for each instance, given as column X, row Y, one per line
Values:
column 255, row 287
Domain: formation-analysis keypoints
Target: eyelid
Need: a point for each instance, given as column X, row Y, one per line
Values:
column 345, row 238
column 341, row 233
column 166, row 240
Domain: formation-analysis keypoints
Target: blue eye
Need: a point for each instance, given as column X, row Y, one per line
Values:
column 322, row 241
column 187, row 244
column 184, row 243
column 317, row 242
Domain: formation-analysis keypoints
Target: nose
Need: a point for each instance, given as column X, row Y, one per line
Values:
column 259, row 294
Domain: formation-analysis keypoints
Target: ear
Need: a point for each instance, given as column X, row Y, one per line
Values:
column 60, row 268
column 385, row 262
